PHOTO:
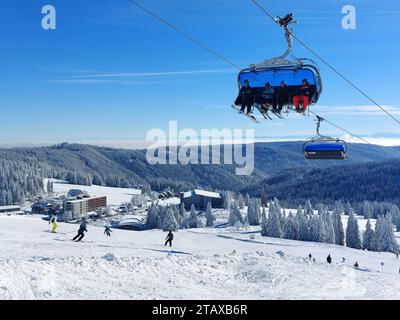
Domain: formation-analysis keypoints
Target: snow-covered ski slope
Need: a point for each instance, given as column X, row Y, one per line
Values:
column 202, row 264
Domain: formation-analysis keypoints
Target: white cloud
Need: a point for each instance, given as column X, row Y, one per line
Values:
column 358, row 110
column 151, row 74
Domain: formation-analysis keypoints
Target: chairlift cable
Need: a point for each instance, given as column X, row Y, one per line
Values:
column 204, row 46
column 340, row 128
column 315, row 53
column 183, row 33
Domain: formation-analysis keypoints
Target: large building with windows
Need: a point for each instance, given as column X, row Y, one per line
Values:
column 81, row 207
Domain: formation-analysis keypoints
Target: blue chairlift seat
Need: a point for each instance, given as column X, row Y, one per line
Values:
column 292, row 76
column 325, row 150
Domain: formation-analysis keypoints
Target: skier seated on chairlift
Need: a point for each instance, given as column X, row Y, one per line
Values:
column 245, row 98
column 283, row 97
column 267, row 97
column 303, row 96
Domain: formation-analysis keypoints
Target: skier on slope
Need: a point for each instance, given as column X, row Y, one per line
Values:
column 107, row 231
column 329, row 259
column 309, row 256
column 356, row 265
column 53, row 222
column 81, row 231
column 169, row 238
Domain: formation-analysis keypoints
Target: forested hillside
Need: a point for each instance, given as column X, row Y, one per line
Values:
column 279, row 167
column 376, row 181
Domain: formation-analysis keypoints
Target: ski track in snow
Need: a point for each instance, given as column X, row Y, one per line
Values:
column 202, row 264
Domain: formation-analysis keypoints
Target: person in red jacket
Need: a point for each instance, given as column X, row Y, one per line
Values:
column 303, row 96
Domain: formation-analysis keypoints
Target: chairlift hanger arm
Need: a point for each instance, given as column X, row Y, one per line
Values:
column 285, row 23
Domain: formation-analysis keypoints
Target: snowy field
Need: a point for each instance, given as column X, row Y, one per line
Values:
column 203, row 264
column 115, row 196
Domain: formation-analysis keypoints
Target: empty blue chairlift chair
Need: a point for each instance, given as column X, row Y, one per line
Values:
column 323, row 147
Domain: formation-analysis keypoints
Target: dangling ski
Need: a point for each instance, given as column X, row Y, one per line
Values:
column 299, row 111
column 263, row 113
column 250, row 116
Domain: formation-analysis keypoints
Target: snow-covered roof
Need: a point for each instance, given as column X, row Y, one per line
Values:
column 10, row 207
column 187, row 194
column 208, row 194
column 203, row 193
column 170, row 201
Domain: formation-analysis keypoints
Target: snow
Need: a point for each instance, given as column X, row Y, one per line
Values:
column 15, row 208
column 203, row 264
column 208, row 194
column 169, row 202
column 204, row 193
column 115, row 196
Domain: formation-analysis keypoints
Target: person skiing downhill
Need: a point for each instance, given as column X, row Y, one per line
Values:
column 169, row 238
column 107, row 231
column 81, row 231
column 329, row 259
column 53, row 222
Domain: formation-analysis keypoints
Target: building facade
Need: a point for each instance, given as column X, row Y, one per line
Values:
column 81, row 207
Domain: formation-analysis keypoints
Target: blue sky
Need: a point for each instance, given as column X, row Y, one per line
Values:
column 110, row 72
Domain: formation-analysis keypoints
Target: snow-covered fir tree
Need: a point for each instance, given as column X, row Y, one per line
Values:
column 395, row 213
column 234, row 215
column 302, row 225
column 152, row 218
column 317, row 229
column 227, row 199
column 240, row 201
column 308, row 209
column 367, row 210
column 263, row 222
column 50, row 186
column 264, row 199
column 347, row 208
column 385, row 240
column 273, row 229
column 339, row 207
column 194, row 221
column 169, row 222
column 290, row 230
column 338, row 225
column 210, row 219
column 368, row 237
column 253, row 213
column 329, row 228
column 247, row 199
column 162, row 212
column 352, row 232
